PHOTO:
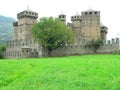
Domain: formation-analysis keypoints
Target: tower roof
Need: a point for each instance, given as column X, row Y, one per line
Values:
column 90, row 10
column 62, row 14
column 101, row 25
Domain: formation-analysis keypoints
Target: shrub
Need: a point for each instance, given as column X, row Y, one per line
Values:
column 2, row 48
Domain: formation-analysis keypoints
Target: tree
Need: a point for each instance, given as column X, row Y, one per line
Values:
column 95, row 44
column 51, row 33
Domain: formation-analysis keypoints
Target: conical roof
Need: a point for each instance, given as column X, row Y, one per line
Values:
column 102, row 25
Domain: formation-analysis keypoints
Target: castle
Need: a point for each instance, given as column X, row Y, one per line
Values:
column 85, row 27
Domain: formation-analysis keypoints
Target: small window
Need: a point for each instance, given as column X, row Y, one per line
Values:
column 63, row 16
column 22, row 50
column 95, row 12
column 90, row 12
column 10, row 44
column 27, row 50
column 20, row 30
column 85, row 13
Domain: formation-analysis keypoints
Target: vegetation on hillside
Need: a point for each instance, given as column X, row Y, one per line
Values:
column 87, row 72
column 6, row 29
column 51, row 33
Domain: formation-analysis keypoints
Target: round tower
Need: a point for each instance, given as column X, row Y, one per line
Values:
column 62, row 17
column 76, row 25
column 15, row 25
column 76, row 20
column 90, row 25
column 104, row 31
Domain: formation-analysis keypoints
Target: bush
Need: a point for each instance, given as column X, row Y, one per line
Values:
column 2, row 48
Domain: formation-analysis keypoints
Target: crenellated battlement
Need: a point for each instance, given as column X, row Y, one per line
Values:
column 19, row 43
column 113, row 41
column 75, row 18
column 27, row 13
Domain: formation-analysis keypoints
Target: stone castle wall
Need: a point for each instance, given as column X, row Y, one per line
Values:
column 15, row 49
column 79, row 49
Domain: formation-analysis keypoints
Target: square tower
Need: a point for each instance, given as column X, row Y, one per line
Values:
column 25, row 21
column 90, row 25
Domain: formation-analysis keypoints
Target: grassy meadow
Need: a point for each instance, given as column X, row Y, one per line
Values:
column 85, row 72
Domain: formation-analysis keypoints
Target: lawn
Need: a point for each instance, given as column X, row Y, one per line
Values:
column 85, row 72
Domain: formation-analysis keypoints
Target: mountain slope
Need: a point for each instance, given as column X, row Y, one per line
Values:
column 6, row 29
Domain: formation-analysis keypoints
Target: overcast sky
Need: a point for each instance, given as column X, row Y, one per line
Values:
column 110, row 13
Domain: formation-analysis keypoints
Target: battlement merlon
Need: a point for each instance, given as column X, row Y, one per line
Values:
column 27, row 13
column 70, row 25
column 117, row 40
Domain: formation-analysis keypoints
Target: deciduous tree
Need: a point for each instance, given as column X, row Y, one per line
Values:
column 51, row 33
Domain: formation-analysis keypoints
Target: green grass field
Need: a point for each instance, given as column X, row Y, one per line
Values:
column 86, row 72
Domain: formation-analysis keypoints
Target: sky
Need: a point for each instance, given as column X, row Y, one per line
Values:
column 110, row 13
